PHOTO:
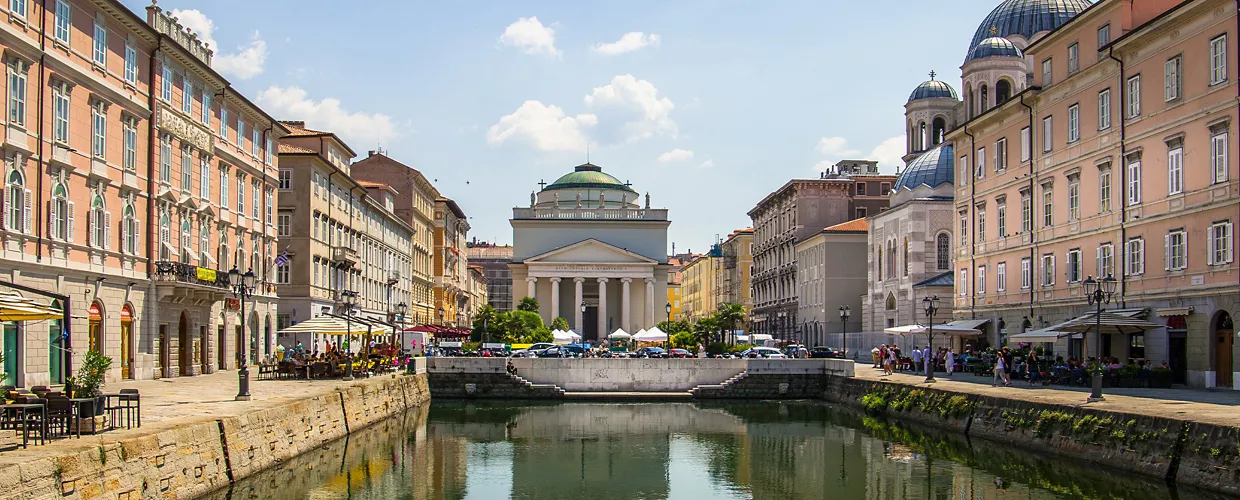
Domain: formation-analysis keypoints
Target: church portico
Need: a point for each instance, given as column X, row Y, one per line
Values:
column 615, row 294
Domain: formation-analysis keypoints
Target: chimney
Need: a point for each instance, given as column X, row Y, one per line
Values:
column 370, row 153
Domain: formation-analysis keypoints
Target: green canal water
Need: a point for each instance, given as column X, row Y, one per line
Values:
column 791, row 450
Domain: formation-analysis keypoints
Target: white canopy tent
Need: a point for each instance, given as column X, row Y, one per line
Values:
column 619, row 335
column 652, row 335
column 565, row 337
column 945, row 329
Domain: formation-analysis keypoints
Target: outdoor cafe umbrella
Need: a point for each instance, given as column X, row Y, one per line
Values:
column 1109, row 323
column 945, row 329
column 14, row 307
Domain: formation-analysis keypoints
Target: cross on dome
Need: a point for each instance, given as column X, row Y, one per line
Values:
column 931, row 74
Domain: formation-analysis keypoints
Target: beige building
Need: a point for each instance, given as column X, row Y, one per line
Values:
column 736, row 270
column 340, row 234
column 451, row 271
column 833, row 275
column 493, row 259
column 1119, row 163
column 699, row 287
column 477, row 292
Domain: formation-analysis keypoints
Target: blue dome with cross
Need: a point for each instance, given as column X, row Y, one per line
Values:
column 933, row 168
column 1026, row 18
column 931, row 89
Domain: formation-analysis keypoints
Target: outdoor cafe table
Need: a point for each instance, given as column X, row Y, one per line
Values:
column 77, row 415
column 22, row 409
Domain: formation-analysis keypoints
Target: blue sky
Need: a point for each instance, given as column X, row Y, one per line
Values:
column 487, row 101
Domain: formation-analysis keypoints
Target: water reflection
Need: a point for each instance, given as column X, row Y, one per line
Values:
column 797, row 450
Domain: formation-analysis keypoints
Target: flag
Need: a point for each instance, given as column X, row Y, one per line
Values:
column 282, row 259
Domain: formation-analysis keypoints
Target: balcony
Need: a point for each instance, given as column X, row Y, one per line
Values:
column 344, row 256
column 179, row 282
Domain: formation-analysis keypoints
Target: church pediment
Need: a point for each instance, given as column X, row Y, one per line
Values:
column 590, row 251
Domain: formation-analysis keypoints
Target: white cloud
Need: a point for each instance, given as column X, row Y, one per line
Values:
column 628, row 42
column 676, row 155
column 356, row 128
column 529, row 35
column 546, row 127
column 836, row 147
column 707, row 164
column 636, row 105
column 889, row 153
column 245, row 63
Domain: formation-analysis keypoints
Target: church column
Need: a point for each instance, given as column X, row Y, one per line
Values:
column 577, row 300
column 555, row 298
column 532, row 289
column 650, row 302
column 624, row 303
column 602, row 308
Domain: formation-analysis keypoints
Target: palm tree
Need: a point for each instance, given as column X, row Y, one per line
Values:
column 729, row 315
column 705, row 328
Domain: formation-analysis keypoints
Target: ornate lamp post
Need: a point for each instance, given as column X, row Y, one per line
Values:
column 349, row 298
column 1098, row 292
column 242, row 288
column 402, row 309
column 441, row 312
column 932, row 306
column 845, row 312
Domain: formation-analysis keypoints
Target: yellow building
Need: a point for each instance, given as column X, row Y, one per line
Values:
column 675, row 276
column 699, row 288
column 451, row 274
column 735, row 272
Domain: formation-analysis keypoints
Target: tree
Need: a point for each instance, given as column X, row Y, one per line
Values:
column 485, row 324
column 520, row 325
column 528, row 304
column 683, row 340
column 540, row 335
column 559, row 324
column 729, row 315
column 705, row 329
column 673, row 327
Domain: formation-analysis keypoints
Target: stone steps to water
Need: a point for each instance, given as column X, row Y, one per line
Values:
column 710, row 389
column 629, row 396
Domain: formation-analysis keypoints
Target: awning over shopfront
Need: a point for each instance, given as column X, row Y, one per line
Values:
column 14, row 307
column 327, row 325
column 944, row 329
column 967, row 323
column 1044, row 335
column 1168, row 312
column 1109, row 322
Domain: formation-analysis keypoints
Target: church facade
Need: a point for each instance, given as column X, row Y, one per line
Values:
column 592, row 254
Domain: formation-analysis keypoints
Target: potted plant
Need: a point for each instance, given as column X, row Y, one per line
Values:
column 90, row 379
column 1160, row 378
column 1128, row 376
column 70, row 386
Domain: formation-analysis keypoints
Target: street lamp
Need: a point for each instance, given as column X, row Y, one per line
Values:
column 349, row 298
column 845, row 312
column 441, row 311
column 242, row 288
column 932, row 306
column 402, row 309
column 668, row 309
column 1098, row 292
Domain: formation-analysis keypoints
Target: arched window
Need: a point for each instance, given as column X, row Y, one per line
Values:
column 16, row 204
column 100, row 224
column 165, row 237
column 942, row 247
column 224, row 252
column 187, row 241
column 984, row 100
column 130, row 228
column 255, row 256
column 906, row 256
column 62, row 214
column 938, row 130
column 921, row 136
column 969, row 101
column 1003, row 91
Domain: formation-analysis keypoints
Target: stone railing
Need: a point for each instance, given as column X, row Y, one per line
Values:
column 653, row 214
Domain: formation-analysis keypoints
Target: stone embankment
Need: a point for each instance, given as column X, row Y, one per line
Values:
column 190, row 459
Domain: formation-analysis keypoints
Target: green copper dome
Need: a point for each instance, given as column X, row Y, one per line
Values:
column 588, row 176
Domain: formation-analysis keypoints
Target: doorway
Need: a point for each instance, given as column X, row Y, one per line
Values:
column 1224, row 335
column 590, row 326
column 95, row 329
column 56, row 349
column 203, row 356
column 12, row 354
column 1177, row 357
column 165, row 354
column 185, row 346
column 126, row 342
column 221, row 340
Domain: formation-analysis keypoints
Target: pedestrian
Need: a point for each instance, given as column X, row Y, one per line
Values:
column 889, row 362
column 1007, row 365
column 998, row 371
column 928, row 360
column 916, row 359
column 951, row 362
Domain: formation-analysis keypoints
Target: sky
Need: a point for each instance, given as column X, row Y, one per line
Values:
column 708, row 105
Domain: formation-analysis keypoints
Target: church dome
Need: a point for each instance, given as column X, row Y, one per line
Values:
column 931, row 89
column 588, row 176
column 933, row 168
column 995, row 46
column 1027, row 18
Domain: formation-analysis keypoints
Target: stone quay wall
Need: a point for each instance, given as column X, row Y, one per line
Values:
column 193, row 459
column 1197, row 454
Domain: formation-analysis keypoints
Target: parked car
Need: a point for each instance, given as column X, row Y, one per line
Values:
column 552, row 352
column 763, row 352
column 822, row 351
column 574, row 350
column 679, row 353
column 651, row 352
column 532, row 351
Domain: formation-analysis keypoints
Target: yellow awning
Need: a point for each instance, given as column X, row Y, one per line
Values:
column 17, row 308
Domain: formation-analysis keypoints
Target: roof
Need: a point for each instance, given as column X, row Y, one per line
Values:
column 376, row 185
column 456, row 209
column 931, row 89
column 995, row 46
column 291, row 149
column 297, row 128
column 855, row 225
column 933, row 168
column 945, row 279
column 1027, row 18
column 588, row 176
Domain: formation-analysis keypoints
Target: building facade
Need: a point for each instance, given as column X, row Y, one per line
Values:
column 493, row 259
column 450, row 264
column 832, row 265
column 737, row 267
column 699, row 286
column 477, row 292
column 590, row 253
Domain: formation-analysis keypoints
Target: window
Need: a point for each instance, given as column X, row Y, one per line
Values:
column 187, row 241
column 1026, row 273
column 942, row 247
column 860, row 189
column 1104, row 189
column 861, row 212
column 964, row 228
column 1104, row 109
column 1106, row 260
column 1134, row 251
column 314, row 187
column 885, row 188
column 1001, row 155
column 1025, row 148
column 223, row 188
column 254, row 142
column 1026, row 212
column 1001, row 219
column 286, row 179
column 101, row 44
column 270, row 202
column 17, row 203
column 254, row 204
column 1134, row 96
column 1074, row 62
column 1218, row 155
column 223, row 122
column 1220, row 250
column 131, row 63
column 1074, row 199
column 981, row 280
column 204, row 177
column 1074, row 265
column 240, row 134
column 1074, row 123
column 1047, row 209
column 1134, row 180
column 1001, row 277
column 18, row 7
column 206, row 107
column 64, row 23
column 60, row 113
column 130, row 228
column 1048, row 136
column 1175, row 169
column 165, row 158
column 1048, row 270
column 282, row 274
column 1104, row 35
column 240, row 195
column 99, row 129
column 187, row 97
column 204, row 243
column 17, row 92
column 1171, row 78
column 187, row 168
column 100, row 224
column 981, row 223
column 1175, row 245
column 981, row 163
column 165, row 83
column 1218, row 60
column 129, row 136
column 1046, row 72
column 267, row 154
column 61, row 220
column 284, row 224
column 964, row 282
column 964, row 170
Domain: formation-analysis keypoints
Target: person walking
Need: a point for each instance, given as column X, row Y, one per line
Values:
column 1007, row 364
column 889, row 362
column 927, row 358
column 916, row 359
column 999, row 371
column 951, row 362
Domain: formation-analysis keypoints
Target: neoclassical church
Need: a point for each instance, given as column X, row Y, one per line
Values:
column 593, row 252
column 912, row 244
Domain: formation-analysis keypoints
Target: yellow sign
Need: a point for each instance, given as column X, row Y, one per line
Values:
column 205, row 274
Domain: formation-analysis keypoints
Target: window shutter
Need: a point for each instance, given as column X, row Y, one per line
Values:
column 1227, row 243
column 4, row 205
column 107, row 230
column 137, row 240
column 28, row 225
column 69, row 223
column 125, row 222
column 90, row 229
column 1141, row 256
column 51, row 219
column 1167, row 252
column 1098, row 263
column 995, row 159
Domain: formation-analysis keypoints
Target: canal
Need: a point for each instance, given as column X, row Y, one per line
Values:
column 779, row 450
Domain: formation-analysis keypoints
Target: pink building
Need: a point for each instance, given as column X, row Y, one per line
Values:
column 1114, row 161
